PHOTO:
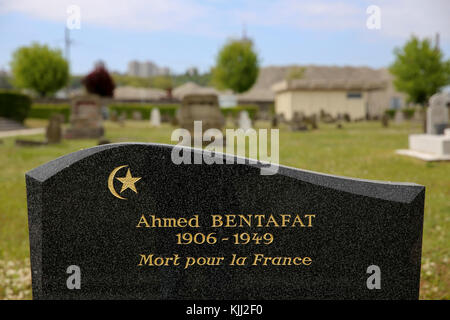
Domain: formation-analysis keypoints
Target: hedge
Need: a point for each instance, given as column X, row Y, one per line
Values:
column 235, row 111
column 144, row 109
column 391, row 113
column 407, row 112
column 171, row 109
column 44, row 111
column 14, row 105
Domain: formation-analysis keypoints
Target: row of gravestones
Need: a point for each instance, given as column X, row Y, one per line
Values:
column 400, row 117
column 155, row 117
column 86, row 117
column 244, row 121
column 300, row 122
column 418, row 116
column 436, row 116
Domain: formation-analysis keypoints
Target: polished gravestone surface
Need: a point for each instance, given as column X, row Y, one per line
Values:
column 123, row 221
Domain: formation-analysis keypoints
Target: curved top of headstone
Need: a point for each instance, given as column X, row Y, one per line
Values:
column 206, row 97
column 384, row 190
column 440, row 99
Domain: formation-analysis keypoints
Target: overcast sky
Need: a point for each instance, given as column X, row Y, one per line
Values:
column 184, row 33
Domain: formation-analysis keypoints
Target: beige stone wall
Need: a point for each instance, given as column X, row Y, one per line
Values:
column 283, row 104
column 312, row 102
column 380, row 100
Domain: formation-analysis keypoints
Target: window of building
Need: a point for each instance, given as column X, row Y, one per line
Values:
column 354, row 95
column 395, row 103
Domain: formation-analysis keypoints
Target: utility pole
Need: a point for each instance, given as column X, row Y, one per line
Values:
column 67, row 43
column 244, row 32
column 437, row 41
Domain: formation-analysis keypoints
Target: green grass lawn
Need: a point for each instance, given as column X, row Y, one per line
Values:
column 362, row 149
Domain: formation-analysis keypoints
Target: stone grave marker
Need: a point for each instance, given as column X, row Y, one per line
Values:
column 434, row 145
column 385, row 120
column 245, row 122
column 122, row 118
column 113, row 116
column 437, row 113
column 155, row 118
column 399, row 116
column 298, row 122
column 136, row 115
column 274, row 121
column 200, row 107
column 53, row 132
column 123, row 221
column 86, row 118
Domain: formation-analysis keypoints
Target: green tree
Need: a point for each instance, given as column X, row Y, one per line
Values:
column 237, row 66
column 40, row 68
column 419, row 70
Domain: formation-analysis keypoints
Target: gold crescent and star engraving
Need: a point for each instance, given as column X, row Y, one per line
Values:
column 127, row 182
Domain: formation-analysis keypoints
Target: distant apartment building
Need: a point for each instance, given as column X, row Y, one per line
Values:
column 145, row 69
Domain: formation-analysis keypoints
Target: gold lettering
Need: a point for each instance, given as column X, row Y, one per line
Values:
column 285, row 218
column 216, row 220
column 143, row 220
column 259, row 217
column 297, row 220
column 260, row 259
column 146, row 260
column 230, row 220
column 272, row 220
column 247, row 220
column 310, row 216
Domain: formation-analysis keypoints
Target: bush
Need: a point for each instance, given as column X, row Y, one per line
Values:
column 99, row 81
column 234, row 111
column 408, row 112
column 144, row 109
column 45, row 111
column 14, row 105
column 391, row 113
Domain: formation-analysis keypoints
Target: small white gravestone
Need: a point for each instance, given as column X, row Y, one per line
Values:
column 435, row 144
column 399, row 116
column 245, row 122
column 447, row 132
column 155, row 118
column 437, row 113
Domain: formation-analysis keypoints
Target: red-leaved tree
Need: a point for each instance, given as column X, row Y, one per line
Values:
column 99, row 81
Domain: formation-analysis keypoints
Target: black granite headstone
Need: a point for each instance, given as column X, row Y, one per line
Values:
column 123, row 221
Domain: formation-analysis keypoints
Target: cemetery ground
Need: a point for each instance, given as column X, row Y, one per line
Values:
column 361, row 150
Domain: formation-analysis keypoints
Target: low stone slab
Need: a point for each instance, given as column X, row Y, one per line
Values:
column 422, row 155
column 24, row 132
column 428, row 147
